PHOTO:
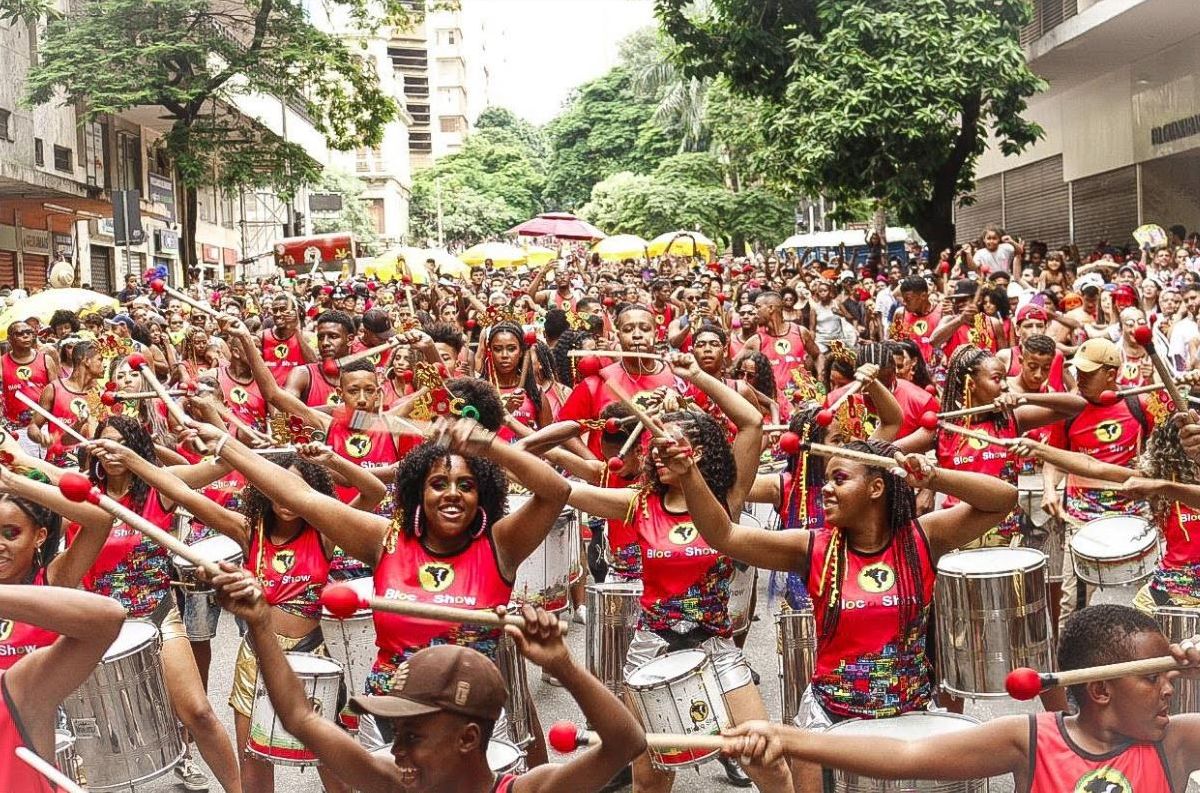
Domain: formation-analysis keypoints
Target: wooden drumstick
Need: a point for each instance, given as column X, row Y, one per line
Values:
column 78, row 488
column 342, row 601
column 138, row 363
column 1144, row 336
column 1026, row 683
column 776, row 427
column 877, row 460
column 979, row 436
column 160, row 286
column 566, row 737
column 825, row 417
column 332, row 366
column 1111, row 397
column 50, row 417
column 649, row 356
column 34, row 761
column 649, row 423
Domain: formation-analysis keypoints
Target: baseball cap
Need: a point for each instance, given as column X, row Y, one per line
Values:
column 446, row 677
column 1095, row 353
column 1124, row 293
column 378, row 322
column 963, row 289
column 1089, row 281
column 1031, row 311
column 122, row 319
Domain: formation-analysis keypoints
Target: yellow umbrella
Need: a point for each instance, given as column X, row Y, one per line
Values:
column 44, row 304
column 393, row 264
column 501, row 253
column 449, row 265
column 622, row 246
column 536, row 255
column 682, row 243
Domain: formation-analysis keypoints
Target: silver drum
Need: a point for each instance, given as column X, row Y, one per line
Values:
column 124, row 727
column 1178, row 624
column 741, row 597
column 909, row 727
column 1115, row 550
column 66, row 759
column 613, row 611
column 544, row 578
column 1038, row 529
column 520, row 702
column 993, row 616
column 796, row 645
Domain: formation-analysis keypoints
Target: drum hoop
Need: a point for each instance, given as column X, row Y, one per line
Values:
column 1149, row 550
column 332, row 673
column 137, row 649
column 688, row 673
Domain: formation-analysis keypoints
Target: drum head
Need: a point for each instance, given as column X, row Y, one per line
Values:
column 983, row 561
column 1030, row 483
column 617, row 588
column 502, row 755
column 667, row 667
column 63, row 740
column 1113, row 537
column 134, row 634
column 312, row 665
column 909, row 727
column 214, row 549
column 363, row 587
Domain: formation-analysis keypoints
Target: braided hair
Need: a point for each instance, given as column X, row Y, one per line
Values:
column 716, row 464
column 805, row 470
column 133, row 436
column 47, row 519
column 966, row 362
column 529, row 384
column 564, row 364
column 900, row 507
column 408, row 487
column 256, row 508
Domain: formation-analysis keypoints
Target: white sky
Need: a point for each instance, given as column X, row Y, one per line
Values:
column 538, row 50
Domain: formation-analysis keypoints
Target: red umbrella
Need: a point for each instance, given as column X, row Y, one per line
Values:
column 562, row 225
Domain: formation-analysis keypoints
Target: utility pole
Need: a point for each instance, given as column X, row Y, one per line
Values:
column 437, row 190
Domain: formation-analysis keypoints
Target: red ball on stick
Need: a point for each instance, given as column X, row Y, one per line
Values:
column 78, row 488
column 330, row 367
column 108, row 398
column 789, row 443
column 158, row 286
column 929, row 420
column 110, row 386
column 589, row 367
column 563, row 736
column 406, row 375
column 341, row 601
column 470, row 323
column 290, row 273
column 136, row 361
column 1023, row 683
column 615, row 463
column 825, row 417
column 1108, row 398
column 1143, row 335
column 530, row 338
column 608, row 302
column 612, row 426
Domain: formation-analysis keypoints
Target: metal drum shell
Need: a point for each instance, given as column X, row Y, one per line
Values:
column 1137, row 561
column 903, row 727
column 656, row 696
column 796, row 653
column 544, row 578
column 321, row 678
column 66, row 759
column 124, row 727
column 614, row 608
column 1177, row 624
column 991, row 620
column 351, row 642
column 1038, row 529
column 741, row 596
column 210, row 548
column 520, row 701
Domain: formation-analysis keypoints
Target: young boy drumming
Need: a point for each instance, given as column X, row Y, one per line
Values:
column 1121, row 740
column 443, row 706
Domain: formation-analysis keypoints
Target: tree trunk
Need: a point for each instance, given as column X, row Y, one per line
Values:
column 936, row 227
column 187, row 226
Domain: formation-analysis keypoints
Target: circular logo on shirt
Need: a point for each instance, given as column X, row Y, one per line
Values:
column 1103, row 780
column 281, row 351
column 333, row 399
column 24, row 373
column 283, row 561
column 698, row 711
column 79, row 407
column 6, row 629
column 876, row 578
column 977, row 444
column 358, row 446
column 1108, row 431
column 659, row 318
column 435, row 576
column 683, row 534
column 920, row 327
column 1130, row 370
column 783, row 346
column 239, row 395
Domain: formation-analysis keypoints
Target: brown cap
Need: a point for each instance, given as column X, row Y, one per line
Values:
column 378, row 322
column 446, row 677
column 1094, row 353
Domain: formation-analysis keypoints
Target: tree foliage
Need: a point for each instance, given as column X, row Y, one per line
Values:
column 888, row 99
column 354, row 215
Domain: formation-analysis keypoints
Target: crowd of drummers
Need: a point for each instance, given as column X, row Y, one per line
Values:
column 919, row 472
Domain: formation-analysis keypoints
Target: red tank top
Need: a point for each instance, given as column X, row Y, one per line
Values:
column 292, row 573
column 1183, row 550
column 281, row 355
column 131, row 568
column 919, row 329
column 380, row 360
column 244, row 399
column 26, row 378
column 367, row 448
column 785, row 353
column 1130, row 373
column 961, row 453
column 18, row 639
column 70, row 406
column 321, row 391
column 15, row 774
column 871, row 666
column 591, row 396
column 663, row 317
column 962, row 335
column 1054, row 384
column 914, row 403
column 684, row 580
column 389, row 396
column 468, row 579
column 1060, row 765
column 526, row 414
column 1110, row 434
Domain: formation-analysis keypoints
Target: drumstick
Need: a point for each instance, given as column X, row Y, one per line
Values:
column 988, row 408
column 332, row 366
column 60, row 779
column 825, row 417
column 160, row 286
column 78, row 488
column 342, row 601
column 776, row 427
column 128, row 396
column 1144, row 336
column 1026, row 683
column 566, row 737
column 50, row 417
column 866, row 458
column 138, row 363
column 1111, row 397
column 649, row 356
column 946, row 426
column 647, row 422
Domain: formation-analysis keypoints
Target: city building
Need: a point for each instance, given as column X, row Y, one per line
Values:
column 1122, row 127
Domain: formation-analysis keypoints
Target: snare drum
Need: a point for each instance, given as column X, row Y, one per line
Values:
column 543, row 579
column 741, row 595
column 124, row 728
column 321, row 678
column 993, row 616
column 1038, row 528
column 517, row 706
column 613, row 611
column 1178, row 624
column 1115, row 551
column 502, row 757
column 66, row 759
column 796, row 645
column 909, row 727
column 679, row 693
column 214, row 549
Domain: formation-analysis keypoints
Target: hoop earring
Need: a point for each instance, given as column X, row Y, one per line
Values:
column 483, row 524
column 417, row 530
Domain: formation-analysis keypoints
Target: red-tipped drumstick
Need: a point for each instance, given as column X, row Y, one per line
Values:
column 1026, row 683
column 565, row 737
column 342, row 601
column 1144, row 336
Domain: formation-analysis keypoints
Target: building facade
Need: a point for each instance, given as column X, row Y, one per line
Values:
column 1122, row 127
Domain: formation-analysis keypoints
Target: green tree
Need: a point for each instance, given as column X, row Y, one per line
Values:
column 888, row 99
column 353, row 217
column 193, row 58
column 503, row 118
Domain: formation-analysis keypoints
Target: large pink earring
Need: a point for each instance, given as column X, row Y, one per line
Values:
column 483, row 524
column 417, row 531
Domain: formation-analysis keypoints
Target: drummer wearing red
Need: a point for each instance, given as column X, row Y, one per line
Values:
column 786, row 345
column 917, row 320
column 26, row 370
column 1038, row 375
column 443, row 711
column 32, row 689
column 1121, row 739
column 507, row 365
column 309, row 382
column 870, row 577
column 968, row 324
column 282, row 346
column 913, row 400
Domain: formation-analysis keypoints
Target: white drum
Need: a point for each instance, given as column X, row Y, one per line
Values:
column 741, row 595
column 125, row 731
column 502, row 757
column 679, row 693
column 909, row 727
column 321, row 678
column 519, row 705
column 1115, row 551
column 543, row 579
column 214, row 549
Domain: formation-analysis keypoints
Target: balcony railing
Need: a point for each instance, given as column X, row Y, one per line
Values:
column 1047, row 15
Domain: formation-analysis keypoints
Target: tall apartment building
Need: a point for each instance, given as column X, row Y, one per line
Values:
column 1122, row 124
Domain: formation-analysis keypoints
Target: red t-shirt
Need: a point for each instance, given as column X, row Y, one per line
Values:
column 243, row 398
column 25, row 378
column 15, row 774
column 281, row 355
column 292, row 573
column 591, row 396
column 18, row 639
column 914, row 401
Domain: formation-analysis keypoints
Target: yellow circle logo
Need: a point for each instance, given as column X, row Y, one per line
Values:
column 1108, row 431
column 281, row 351
column 283, row 561
column 783, row 346
column 876, row 578
column 79, row 408
column 1130, row 370
column 435, row 576
column 1103, row 780
column 977, row 444
column 24, row 373
column 920, row 327
column 358, row 446
column 683, row 534
column 239, row 395
column 698, row 711
column 333, row 399
column 6, row 629
column 659, row 318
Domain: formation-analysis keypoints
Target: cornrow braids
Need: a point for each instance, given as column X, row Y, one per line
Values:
column 965, row 362
column 716, row 464
column 564, row 365
column 806, row 471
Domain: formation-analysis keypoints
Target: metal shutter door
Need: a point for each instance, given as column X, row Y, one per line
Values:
column 8, row 268
column 101, row 269
column 970, row 220
column 1037, row 203
column 1106, row 208
column 34, row 267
